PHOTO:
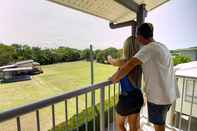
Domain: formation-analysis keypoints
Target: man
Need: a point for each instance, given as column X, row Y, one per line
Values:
column 160, row 83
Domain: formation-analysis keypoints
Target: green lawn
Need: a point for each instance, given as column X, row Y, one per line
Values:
column 56, row 79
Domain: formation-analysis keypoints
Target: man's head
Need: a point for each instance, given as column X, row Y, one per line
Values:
column 145, row 33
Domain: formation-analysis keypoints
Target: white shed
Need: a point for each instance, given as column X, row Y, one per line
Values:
column 189, row 73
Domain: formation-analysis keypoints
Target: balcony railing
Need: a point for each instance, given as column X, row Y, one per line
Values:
column 101, row 93
column 51, row 102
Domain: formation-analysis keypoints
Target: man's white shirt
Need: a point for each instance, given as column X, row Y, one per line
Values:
column 159, row 76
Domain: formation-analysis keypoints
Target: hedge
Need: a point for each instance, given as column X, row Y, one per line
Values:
column 89, row 114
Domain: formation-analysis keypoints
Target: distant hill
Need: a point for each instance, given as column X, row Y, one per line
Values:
column 184, row 49
column 190, row 52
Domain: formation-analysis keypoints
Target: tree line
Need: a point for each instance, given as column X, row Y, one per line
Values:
column 12, row 53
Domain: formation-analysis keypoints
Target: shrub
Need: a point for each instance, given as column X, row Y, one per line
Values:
column 89, row 115
column 178, row 59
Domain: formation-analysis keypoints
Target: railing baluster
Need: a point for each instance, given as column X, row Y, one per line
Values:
column 38, row 120
column 114, row 117
column 175, row 120
column 109, row 108
column 66, row 115
column 191, row 108
column 50, row 102
column 77, row 113
column 181, row 110
column 86, row 113
column 119, row 89
column 93, row 104
column 18, row 124
column 53, row 117
column 102, row 112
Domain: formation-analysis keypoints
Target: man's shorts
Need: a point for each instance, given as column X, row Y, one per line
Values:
column 157, row 113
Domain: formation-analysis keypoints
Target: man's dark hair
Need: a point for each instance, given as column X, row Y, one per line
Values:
column 145, row 30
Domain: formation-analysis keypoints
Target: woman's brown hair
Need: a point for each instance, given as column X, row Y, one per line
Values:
column 129, row 50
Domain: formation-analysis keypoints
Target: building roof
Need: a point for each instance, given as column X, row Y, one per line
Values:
column 110, row 10
column 24, row 62
column 36, row 63
column 14, row 66
column 187, row 69
column 18, row 69
column 7, row 66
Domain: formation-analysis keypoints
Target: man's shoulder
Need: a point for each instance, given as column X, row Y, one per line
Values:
column 159, row 45
column 156, row 43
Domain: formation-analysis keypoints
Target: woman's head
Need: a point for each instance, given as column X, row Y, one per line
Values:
column 129, row 48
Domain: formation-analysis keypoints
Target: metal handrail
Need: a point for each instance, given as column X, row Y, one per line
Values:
column 188, row 77
column 36, row 106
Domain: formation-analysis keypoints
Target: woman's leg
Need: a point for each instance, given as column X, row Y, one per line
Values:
column 134, row 122
column 120, row 122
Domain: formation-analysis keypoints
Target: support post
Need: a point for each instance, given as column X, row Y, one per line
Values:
column 141, row 14
column 124, row 24
column 102, row 112
column 92, row 64
column 92, row 82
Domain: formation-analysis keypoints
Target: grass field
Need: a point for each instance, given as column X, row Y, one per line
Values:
column 56, row 79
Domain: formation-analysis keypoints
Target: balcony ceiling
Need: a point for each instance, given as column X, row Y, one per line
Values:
column 110, row 10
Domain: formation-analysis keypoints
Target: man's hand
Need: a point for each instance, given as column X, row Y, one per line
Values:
column 145, row 99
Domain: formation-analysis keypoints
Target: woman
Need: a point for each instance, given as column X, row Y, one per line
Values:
column 131, row 98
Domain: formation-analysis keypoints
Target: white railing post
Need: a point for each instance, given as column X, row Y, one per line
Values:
column 191, row 108
column 181, row 110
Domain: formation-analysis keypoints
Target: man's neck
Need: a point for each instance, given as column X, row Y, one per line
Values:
column 150, row 40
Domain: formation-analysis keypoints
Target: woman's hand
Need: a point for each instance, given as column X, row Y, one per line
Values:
column 145, row 99
column 110, row 59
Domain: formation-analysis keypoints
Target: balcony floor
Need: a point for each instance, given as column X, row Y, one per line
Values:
column 144, row 125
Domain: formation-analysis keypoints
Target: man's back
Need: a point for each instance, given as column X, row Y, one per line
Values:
column 158, row 73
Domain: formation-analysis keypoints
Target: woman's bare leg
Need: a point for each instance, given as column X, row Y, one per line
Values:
column 134, row 122
column 120, row 122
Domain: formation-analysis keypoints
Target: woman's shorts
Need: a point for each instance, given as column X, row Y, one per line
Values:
column 157, row 113
column 130, row 102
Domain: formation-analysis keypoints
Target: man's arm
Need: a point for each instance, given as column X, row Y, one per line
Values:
column 116, row 62
column 125, row 69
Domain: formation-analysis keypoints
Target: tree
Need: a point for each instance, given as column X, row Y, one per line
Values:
column 120, row 53
column 68, row 54
column 37, row 55
column 17, row 52
column 85, row 54
column 7, row 54
column 101, row 56
column 24, row 52
column 178, row 59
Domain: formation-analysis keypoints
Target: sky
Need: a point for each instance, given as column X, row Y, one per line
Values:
column 48, row 25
